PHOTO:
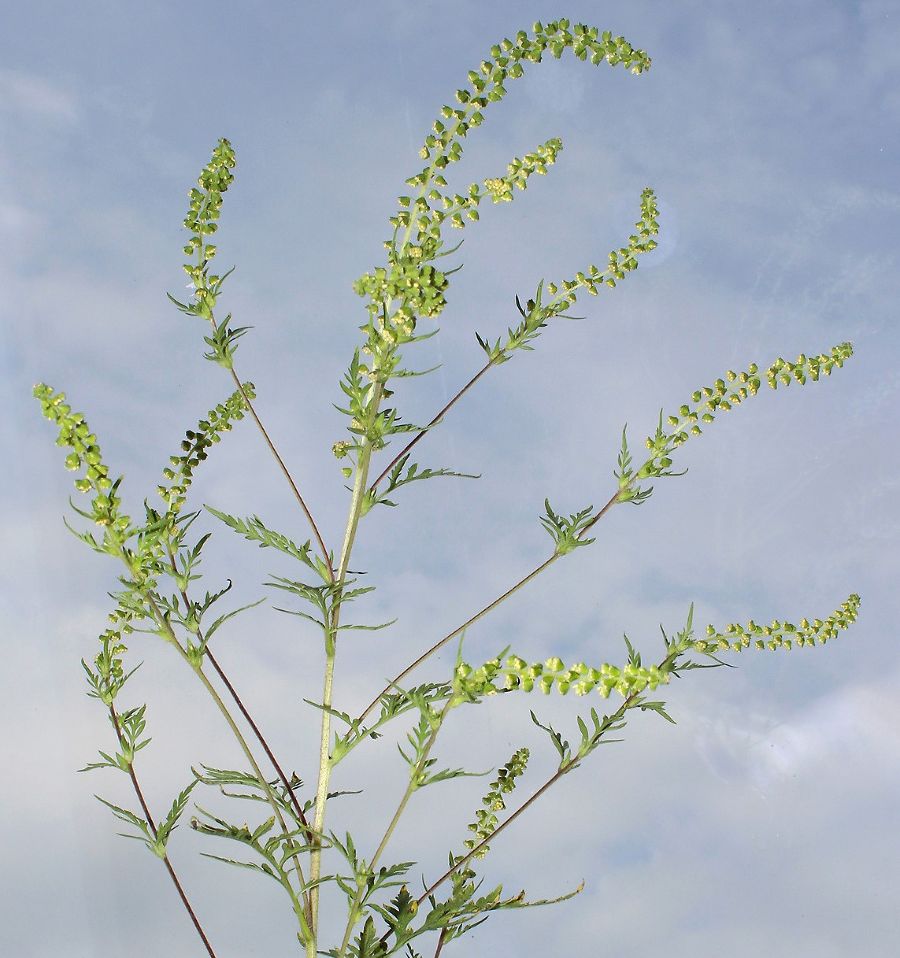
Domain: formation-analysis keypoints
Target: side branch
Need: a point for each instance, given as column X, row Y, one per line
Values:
column 152, row 824
column 564, row 768
column 458, row 631
column 168, row 633
column 529, row 801
column 413, row 785
column 237, row 700
column 436, row 419
column 287, row 475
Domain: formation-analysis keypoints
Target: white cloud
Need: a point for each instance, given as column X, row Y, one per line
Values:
column 860, row 720
column 648, row 823
column 31, row 95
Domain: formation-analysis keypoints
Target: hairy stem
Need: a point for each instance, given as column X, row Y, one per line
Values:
column 359, row 487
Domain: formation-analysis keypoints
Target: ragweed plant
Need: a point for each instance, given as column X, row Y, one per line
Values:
column 162, row 560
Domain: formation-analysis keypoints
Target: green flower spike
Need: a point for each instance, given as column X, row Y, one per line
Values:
column 780, row 635
column 75, row 434
column 204, row 211
column 197, row 441
column 485, row 818
column 633, row 677
column 408, row 276
column 707, row 403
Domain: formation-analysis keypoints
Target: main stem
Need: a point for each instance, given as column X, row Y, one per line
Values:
column 359, row 487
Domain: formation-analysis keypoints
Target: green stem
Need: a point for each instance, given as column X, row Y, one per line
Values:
column 270, row 795
column 492, row 605
column 237, row 701
column 566, row 767
column 359, row 485
column 410, row 788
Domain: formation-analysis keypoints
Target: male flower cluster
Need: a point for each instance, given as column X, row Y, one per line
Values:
column 408, row 276
column 205, row 208
column 780, row 635
column 485, row 818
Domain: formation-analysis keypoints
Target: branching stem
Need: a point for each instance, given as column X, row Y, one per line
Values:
column 411, row 787
column 242, row 742
column 460, row 629
column 289, row 790
column 287, row 475
column 563, row 769
column 435, row 419
column 140, row 797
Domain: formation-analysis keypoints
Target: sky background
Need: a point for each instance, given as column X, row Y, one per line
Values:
column 766, row 820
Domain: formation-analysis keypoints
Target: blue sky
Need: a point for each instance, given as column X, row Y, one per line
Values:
column 763, row 821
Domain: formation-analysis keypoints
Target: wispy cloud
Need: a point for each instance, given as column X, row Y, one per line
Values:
column 27, row 94
column 861, row 719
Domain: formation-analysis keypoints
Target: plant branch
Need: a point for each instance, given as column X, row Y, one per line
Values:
column 457, row 631
column 562, row 770
column 150, row 822
column 220, row 672
column 287, row 475
column 297, row 807
column 413, row 786
column 331, row 633
column 242, row 742
column 608, row 721
column 436, row 419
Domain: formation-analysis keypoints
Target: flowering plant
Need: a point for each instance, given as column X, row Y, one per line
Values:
column 288, row 846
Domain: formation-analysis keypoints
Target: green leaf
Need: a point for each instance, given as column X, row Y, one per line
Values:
column 657, row 707
column 372, row 628
column 224, row 343
column 131, row 819
column 395, row 480
column 559, row 743
column 264, row 868
column 303, row 615
column 224, row 618
column 171, row 821
column 255, row 530
column 368, row 944
column 565, row 532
